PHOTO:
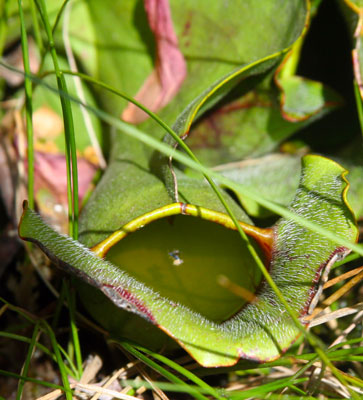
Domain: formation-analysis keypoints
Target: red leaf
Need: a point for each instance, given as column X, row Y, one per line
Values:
column 50, row 173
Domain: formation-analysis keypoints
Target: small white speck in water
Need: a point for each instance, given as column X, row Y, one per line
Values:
column 175, row 256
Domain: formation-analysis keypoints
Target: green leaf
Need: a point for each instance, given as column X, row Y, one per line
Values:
column 250, row 126
column 201, row 43
column 261, row 119
column 211, row 49
column 123, row 47
column 304, row 98
column 247, row 127
column 276, row 177
column 355, row 194
column 262, row 329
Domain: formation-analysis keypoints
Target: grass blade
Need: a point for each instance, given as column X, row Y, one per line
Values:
column 162, row 371
column 36, row 28
column 33, row 380
column 70, row 295
column 25, row 339
column 61, row 366
column 31, row 349
column 59, row 16
column 71, row 155
column 28, row 105
column 183, row 371
column 359, row 103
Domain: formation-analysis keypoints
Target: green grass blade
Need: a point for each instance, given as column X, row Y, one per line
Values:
column 255, row 393
column 41, row 347
column 71, row 155
column 28, row 105
column 167, row 386
column 161, row 370
column 33, row 380
column 182, row 371
column 72, row 371
column 262, row 390
column 59, row 16
column 36, row 28
column 70, row 295
column 25, row 339
column 359, row 103
column 31, row 348
column 61, row 366
column 303, row 369
column 348, row 342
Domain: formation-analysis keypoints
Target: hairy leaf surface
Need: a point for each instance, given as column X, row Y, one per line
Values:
column 262, row 329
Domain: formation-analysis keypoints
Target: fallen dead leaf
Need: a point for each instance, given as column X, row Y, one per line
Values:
column 47, row 124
